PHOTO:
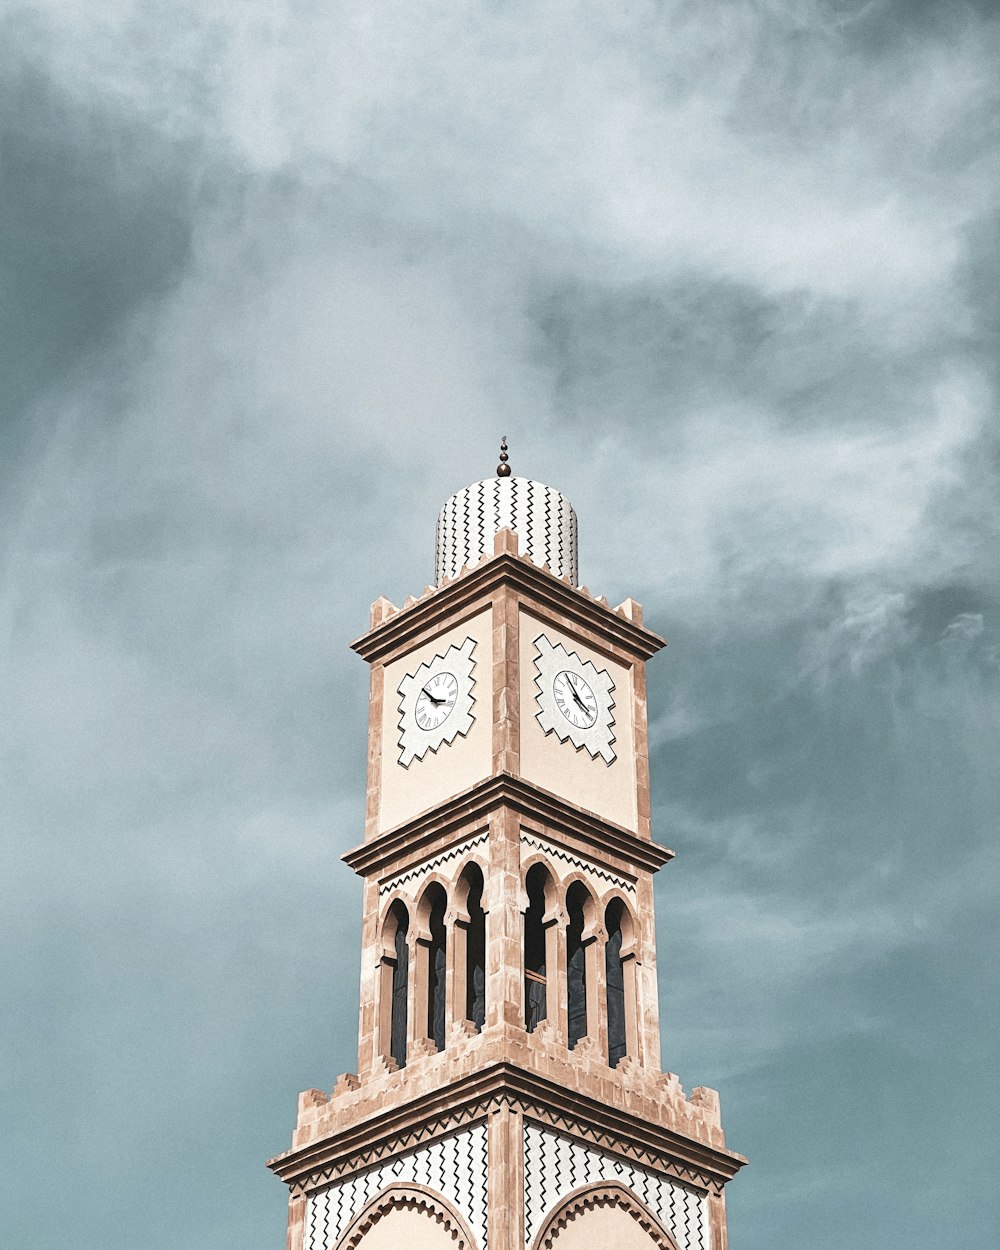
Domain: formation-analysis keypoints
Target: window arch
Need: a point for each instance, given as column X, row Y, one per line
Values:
column 471, row 884
column 538, row 885
column 394, row 984
column 434, row 905
column 577, row 988
column 618, row 973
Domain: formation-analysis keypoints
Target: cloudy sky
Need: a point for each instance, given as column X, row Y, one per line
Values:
column 274, row 277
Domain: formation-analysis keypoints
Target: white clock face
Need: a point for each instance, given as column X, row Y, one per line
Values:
column 436, row 700
column 575, row 699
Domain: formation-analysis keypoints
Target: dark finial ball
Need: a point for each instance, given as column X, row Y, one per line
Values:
column 503, row 470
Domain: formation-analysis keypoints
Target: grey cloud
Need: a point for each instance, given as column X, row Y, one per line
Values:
column 277, row 280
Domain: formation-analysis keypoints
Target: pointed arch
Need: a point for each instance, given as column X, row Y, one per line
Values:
column 601, row 1195
column 619, row 980
column 394, row 973
column 419, row 1201
column 432, row 939
column 539, row 949
column 469, row 938
column 581, row 986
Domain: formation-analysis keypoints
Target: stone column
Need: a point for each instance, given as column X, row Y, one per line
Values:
column 504, row 936
column 370, row 995
column 505, row 1178
column 297, row 1222
column 556, row 989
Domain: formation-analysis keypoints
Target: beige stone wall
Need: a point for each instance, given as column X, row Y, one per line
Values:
column 454, row 766
column 608, row 790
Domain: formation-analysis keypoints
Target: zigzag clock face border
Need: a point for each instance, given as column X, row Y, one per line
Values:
column 414, row 742
column 598, row 739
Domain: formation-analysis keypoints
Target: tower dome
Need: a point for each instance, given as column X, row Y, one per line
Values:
column 542, row 518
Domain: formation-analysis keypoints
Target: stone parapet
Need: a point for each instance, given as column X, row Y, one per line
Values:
column 655, row 1098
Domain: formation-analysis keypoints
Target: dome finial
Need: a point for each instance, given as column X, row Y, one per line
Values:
column 503, row 468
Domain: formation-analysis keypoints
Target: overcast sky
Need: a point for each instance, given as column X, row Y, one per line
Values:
column 275, row 275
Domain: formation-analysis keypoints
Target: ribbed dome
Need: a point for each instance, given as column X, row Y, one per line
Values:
column 543, row 520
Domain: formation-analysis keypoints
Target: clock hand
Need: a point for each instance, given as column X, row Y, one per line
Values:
column 579, row 702
column 436, row 702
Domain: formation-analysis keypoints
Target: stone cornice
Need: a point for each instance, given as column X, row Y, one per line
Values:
column 443, row 603
column 472, row 1097
column 531, row 801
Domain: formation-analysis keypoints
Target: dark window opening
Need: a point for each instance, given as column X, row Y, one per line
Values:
column 534, row 949
column 615, row 977
column 436, row 969
column 576, row 966
column 475, row 954
column 400, row 979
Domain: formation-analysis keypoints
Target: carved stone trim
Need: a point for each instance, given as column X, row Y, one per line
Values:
column 394, row 633
column 610, row 1143
column 588, row 869
column 602, row 1194
column 470, row 1099
column 474, row 805
column 413, row 1198
column 389, row 1148
column 418, row 870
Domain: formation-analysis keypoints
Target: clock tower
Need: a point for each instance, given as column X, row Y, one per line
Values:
column 508, row 1093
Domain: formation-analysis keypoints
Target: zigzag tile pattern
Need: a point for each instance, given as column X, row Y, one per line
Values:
column 555, row 1165
column 453, row 1166
column 542, row 518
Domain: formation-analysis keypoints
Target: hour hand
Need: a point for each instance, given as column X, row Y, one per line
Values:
column 579, row 702
column 436, row 702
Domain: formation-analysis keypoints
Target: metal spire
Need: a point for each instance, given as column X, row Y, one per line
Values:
column 503, row 468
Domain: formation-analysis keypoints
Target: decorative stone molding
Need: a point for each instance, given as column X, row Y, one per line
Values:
column 599, row 878
column 412, row 879
column 603, row 1194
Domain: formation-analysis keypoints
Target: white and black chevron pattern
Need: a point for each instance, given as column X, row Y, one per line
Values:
column 541, row 517
column 453, row 1166
column 555, row 1165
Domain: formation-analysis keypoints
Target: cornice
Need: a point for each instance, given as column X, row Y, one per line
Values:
column 505, row 790
column 470, row 1099
column 572, row 603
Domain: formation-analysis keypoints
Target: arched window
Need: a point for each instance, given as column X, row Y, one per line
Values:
column 475, row 950
column 615, row 981
column 535, row 1001
column 398, row 984
column 576, row 964
column 436, row 962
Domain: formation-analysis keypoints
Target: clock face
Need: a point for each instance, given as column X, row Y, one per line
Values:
column 575, row 699
column 436, row 700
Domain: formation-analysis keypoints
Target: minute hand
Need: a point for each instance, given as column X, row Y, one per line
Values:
column 579, row 702
column 425, row 691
